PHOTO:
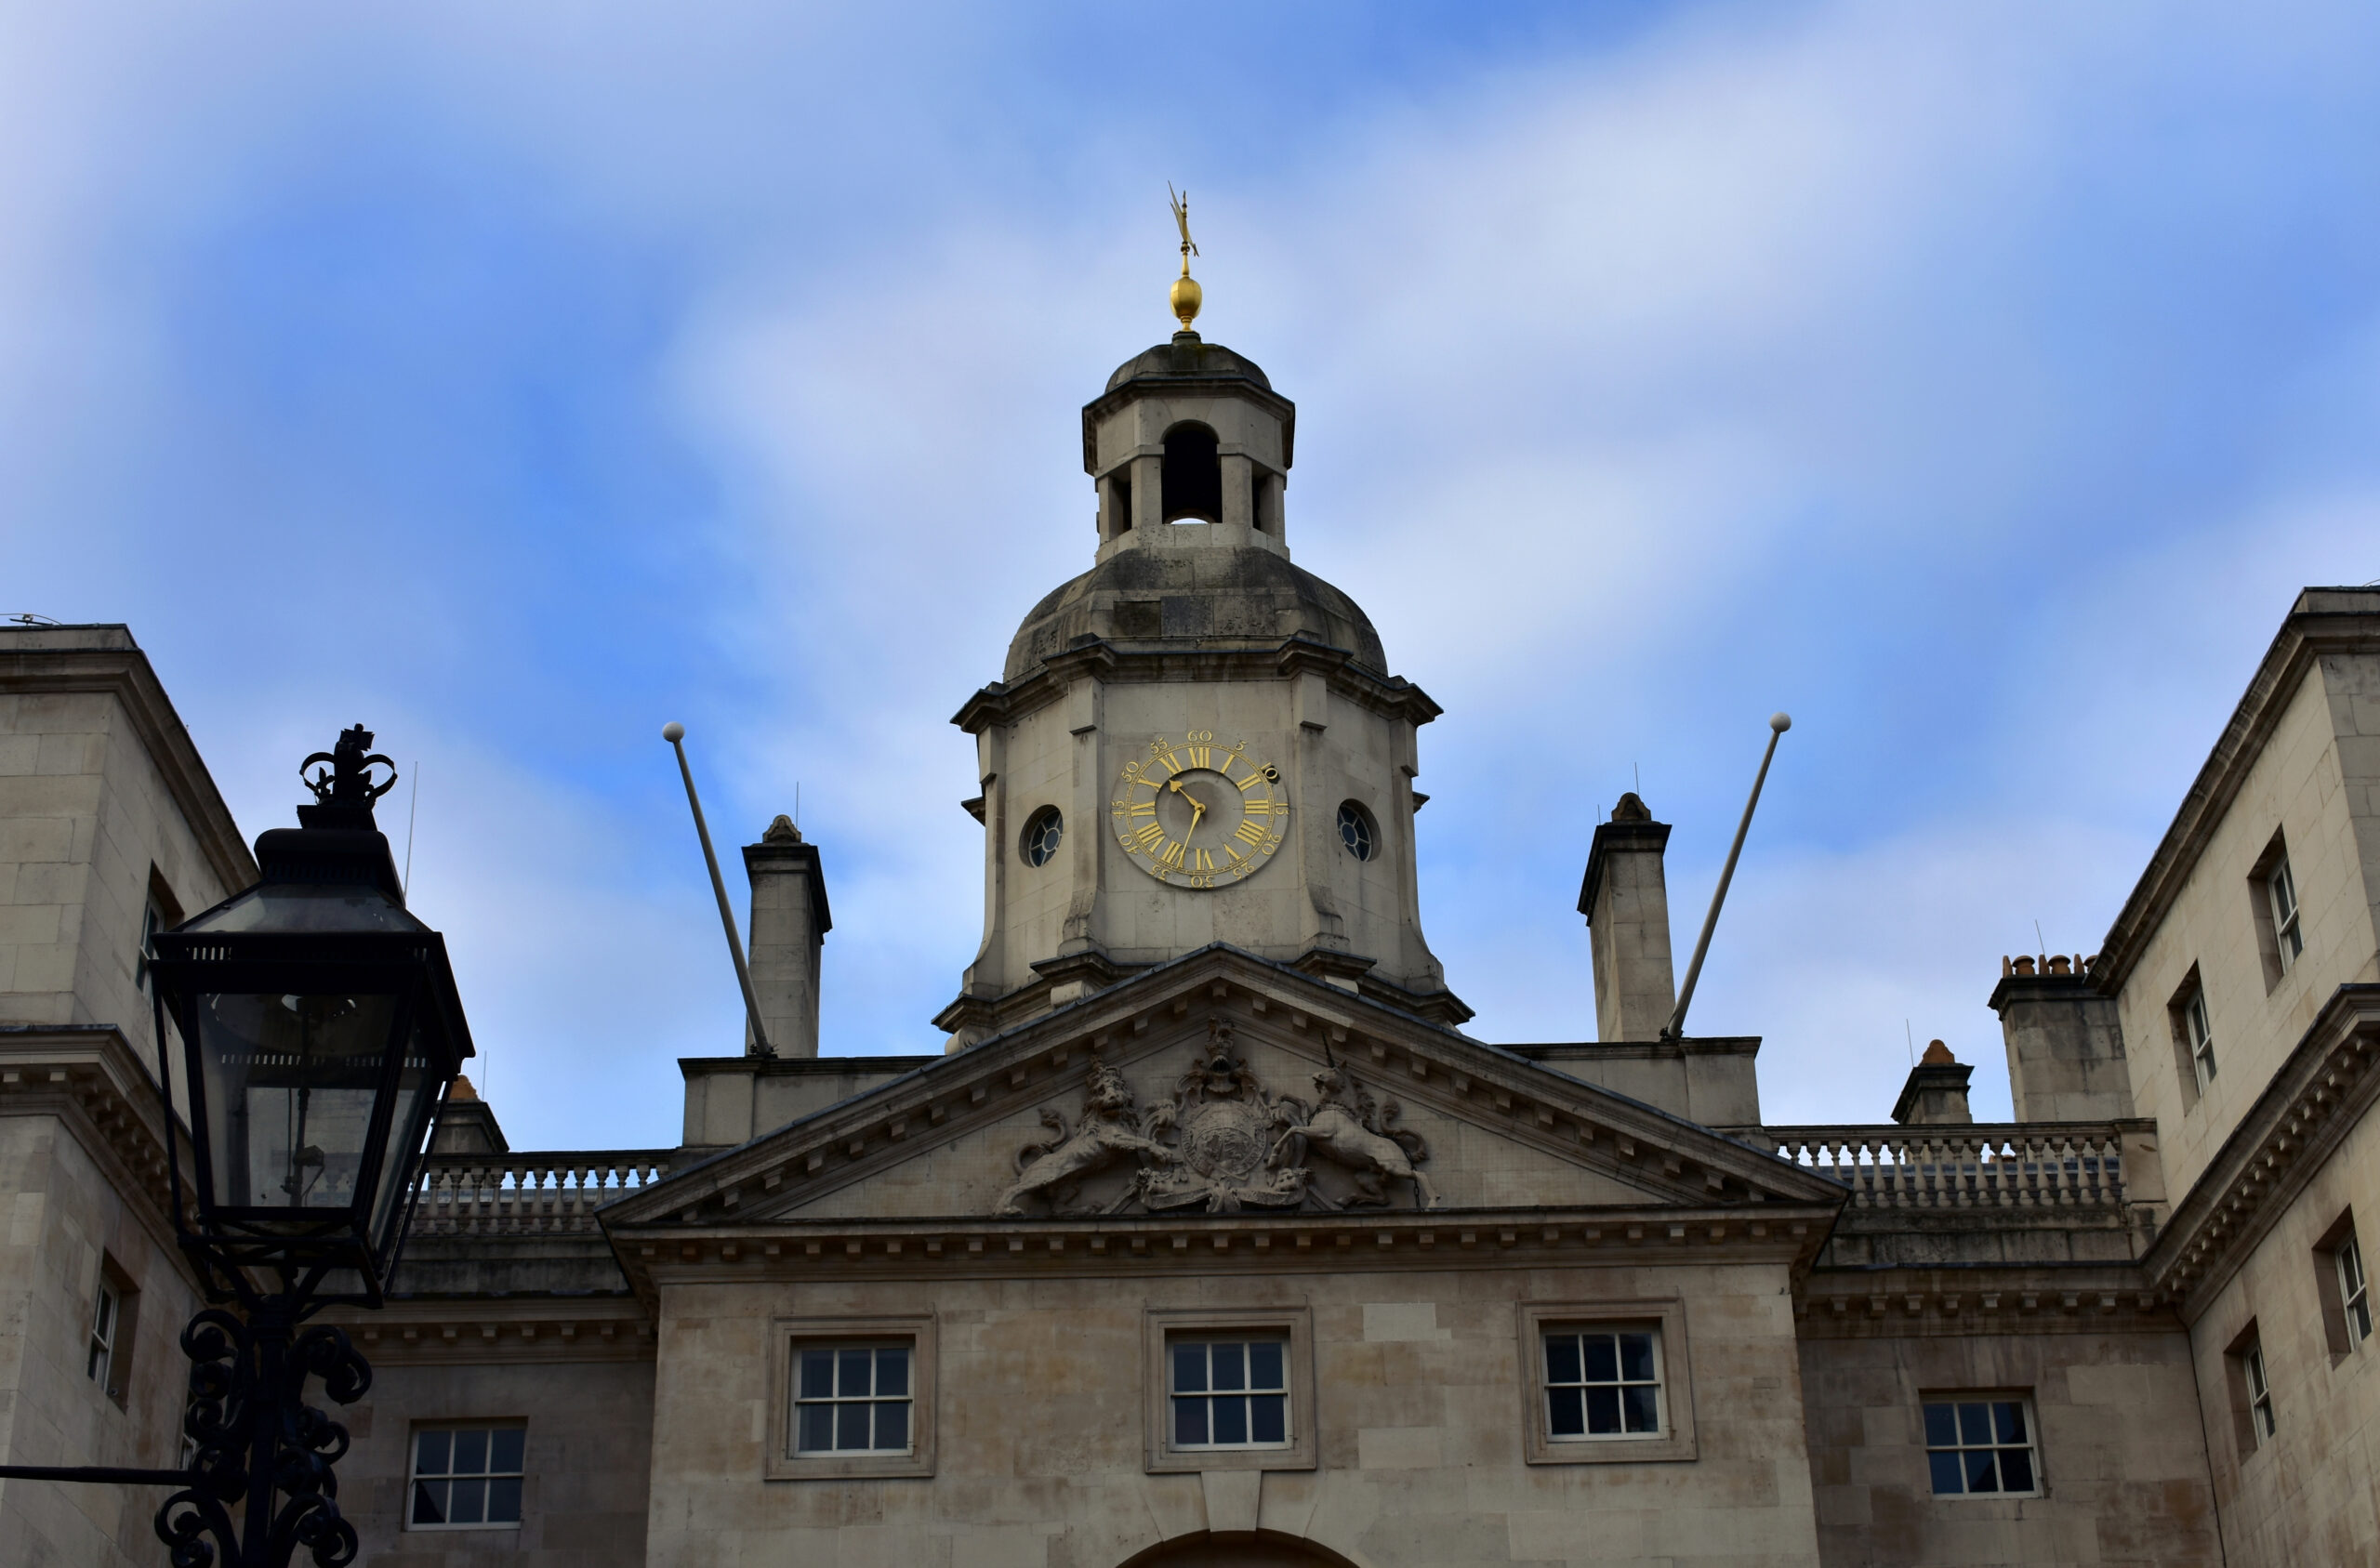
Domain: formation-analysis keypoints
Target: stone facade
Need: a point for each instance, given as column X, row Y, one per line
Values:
column 1207, row 1236
column 106, row 815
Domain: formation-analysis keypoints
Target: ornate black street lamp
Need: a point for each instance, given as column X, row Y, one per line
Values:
column 319, row 1029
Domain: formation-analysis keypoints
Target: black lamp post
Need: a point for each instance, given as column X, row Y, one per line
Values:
column 319, row 1029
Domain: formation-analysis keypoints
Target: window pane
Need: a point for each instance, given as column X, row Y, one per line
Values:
column 429, row 1502
column 1231, row 1367
column 1974, row 1423
column 1189, row 1421
column 1603, row 1358
column 1567, row 1410
column 1603, row 1410
column 468, row 1502
column 2008, row 1421
column 1636, row 1357
column 1231, row 1421
column 1562, row 1358
column 1269, row 1420
column 1980, row 1471
column 1941, row 1426
column 893, row 1424
column 2016, row 1469
column 1265, row 1365
column 430, row 1452
column 851, row 1425
column 504, row 1501
column 2361, row 1315
column 503, row 1449
column 818, row 1374
column 1643, row 1412
column 893, row 1371
column 854, row 1374
column 1949, row 1480
column 1189, row 1369
column 470, row 1452
column 817, row 1425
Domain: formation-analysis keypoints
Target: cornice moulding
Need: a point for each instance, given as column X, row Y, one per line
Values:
column 2327, row 1085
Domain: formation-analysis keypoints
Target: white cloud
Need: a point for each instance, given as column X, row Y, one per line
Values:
column 1938, row 374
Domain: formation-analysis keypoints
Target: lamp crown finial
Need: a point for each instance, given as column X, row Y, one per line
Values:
column 347, row 780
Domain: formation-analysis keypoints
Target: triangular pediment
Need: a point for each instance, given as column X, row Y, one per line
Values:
column 1221, row 1084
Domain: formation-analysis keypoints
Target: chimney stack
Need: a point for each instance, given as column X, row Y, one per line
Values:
column 2066, row 1061
column 1626, row 900
column 789, row 922
column 1935, row 1094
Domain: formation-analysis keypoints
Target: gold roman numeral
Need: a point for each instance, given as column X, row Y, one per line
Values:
column 1250, row 832
column 1171, row 856
column 1148, row 835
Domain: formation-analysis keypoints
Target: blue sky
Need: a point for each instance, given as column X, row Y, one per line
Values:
column 1979, row 383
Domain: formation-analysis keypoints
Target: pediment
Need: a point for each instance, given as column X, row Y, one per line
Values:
column 1221, row 1084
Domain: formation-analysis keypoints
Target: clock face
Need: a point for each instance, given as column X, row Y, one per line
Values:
column 1196, row 815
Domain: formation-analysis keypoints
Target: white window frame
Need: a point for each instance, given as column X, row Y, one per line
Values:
column 2355, row 1290
column 1962, row 1444
column 414, row 1474
column 2200, row 1035
column 1579, row 1331
column 2260, row 1417
column 838, row 1396
column 782, row 1458
column 1163, row 1326
column 1665, row 1317
column 107, row 1324
column 2288, row 933
column 1208, row 1341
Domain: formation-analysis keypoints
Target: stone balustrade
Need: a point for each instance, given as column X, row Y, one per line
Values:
column 531, row 1194
column 2020, row 1166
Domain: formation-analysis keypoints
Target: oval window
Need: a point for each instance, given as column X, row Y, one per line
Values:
column 1042, row 832
column 1357, row 831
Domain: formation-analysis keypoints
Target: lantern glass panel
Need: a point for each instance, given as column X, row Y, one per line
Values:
column 290, row 1083
column 420, row 1078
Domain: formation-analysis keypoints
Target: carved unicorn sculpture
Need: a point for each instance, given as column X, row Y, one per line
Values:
column 1356, row 1140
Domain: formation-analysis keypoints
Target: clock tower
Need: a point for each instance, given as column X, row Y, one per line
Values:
column 1196, row 741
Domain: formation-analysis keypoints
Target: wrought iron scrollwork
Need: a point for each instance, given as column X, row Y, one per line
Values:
column 259, row 1444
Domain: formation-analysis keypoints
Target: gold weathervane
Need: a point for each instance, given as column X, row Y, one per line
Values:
column 1186, row 294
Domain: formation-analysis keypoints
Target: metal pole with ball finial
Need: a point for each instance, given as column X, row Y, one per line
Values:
column 674, row 733
column 1777, row 724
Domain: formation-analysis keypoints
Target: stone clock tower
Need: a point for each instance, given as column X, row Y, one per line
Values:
column 1196, row 741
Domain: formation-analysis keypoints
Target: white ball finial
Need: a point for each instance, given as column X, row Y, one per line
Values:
column 674, row 731
column 1781, row 722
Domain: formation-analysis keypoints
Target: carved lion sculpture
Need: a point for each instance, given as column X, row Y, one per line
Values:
column 1054, row 1168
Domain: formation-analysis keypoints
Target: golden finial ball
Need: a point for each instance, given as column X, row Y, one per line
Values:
column 1186, row 297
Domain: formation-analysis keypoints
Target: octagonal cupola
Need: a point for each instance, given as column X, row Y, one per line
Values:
column 1190, row 447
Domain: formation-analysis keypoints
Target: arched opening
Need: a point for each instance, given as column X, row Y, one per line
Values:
column 1193, row 481
column 1262, row 1550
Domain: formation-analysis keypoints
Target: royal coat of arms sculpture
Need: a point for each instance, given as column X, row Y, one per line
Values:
column 1225, row 1144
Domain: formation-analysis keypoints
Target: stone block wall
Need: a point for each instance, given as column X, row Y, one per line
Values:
column 61, row 1215
column 589, row 1457
column 85, row 818
column 1419, row 1411
column 2307, row 1495
column 2316, row 781
column 2122, row 1455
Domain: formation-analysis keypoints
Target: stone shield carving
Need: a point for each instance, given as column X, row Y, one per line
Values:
column 1223, row 1144
column 1224, row 1129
